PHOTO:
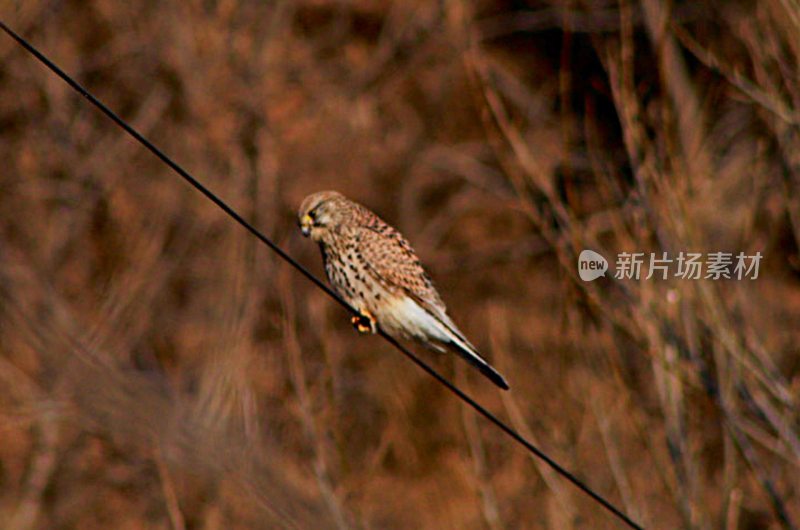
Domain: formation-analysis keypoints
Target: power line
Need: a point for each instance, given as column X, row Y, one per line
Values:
column 264, row 239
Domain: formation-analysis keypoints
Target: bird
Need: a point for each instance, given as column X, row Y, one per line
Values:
column 375, row 270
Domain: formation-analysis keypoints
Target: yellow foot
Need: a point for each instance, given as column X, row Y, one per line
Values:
column 364, row 323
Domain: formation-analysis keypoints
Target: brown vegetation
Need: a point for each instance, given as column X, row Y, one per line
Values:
column 161, row 369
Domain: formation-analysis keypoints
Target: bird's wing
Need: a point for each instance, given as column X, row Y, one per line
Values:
column 389, row 256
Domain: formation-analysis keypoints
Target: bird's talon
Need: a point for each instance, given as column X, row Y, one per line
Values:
column 364, row 323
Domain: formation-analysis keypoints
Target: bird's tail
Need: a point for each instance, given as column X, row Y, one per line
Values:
column 467, row 351
column 445, row 334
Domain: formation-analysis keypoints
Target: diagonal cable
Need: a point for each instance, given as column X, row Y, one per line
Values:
column 316, row 281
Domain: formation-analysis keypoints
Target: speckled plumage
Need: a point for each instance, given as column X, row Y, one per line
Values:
column 374, row 268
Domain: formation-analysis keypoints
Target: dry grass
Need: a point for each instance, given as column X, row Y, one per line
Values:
column 159, row 369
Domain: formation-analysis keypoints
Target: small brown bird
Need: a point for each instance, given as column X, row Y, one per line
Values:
column 373, row 267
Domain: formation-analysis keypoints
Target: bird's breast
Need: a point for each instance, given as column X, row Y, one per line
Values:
column 350, row 278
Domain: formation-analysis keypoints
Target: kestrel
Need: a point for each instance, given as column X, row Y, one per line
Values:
column 374, row 268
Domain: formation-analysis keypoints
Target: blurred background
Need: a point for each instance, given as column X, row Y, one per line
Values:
column 160, row 369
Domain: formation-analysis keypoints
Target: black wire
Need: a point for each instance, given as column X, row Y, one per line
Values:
column 264, row 239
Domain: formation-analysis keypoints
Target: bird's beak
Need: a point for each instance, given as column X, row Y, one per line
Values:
column 305, row 225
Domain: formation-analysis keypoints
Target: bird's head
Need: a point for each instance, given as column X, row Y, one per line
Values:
column 320, row 213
